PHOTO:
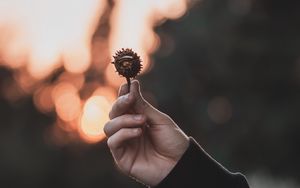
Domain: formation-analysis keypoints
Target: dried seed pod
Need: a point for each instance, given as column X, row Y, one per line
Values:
column 127, row 64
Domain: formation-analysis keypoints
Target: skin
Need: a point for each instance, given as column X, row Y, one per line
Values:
column 145, row 143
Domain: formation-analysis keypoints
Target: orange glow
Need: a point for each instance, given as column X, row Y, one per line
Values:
column 12, row 47
column 77, row 80
column 59, row 57
column 133, row 22
column 51, row 30
column 94, row 117
column 42, row 99
column 112, row 77
column 67, row 102
column 171, row 9
column 108, row 92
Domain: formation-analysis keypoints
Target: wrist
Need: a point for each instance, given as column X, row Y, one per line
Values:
column 171, row 162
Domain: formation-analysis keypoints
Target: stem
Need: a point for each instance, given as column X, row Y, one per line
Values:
column 128, row 83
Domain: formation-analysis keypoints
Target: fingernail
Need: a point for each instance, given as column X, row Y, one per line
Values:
column 138, row 117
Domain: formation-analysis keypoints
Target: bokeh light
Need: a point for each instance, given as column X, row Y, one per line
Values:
column 60, row 53
column 219, row 110
column 94, row 117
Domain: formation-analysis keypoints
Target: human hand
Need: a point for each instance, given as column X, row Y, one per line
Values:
column 145, row 143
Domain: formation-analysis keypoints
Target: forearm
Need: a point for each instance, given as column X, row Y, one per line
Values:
column 197, row 168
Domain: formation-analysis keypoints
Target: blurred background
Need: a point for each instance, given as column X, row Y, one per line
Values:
column 228, row 72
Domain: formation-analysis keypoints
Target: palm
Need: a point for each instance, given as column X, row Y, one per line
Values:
column 143, row 156
column 148, row 148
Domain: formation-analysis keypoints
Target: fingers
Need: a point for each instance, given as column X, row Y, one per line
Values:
column 134, row 102
column 121, row 105
column 119, row 138
column 124, row 121
column 141, row 106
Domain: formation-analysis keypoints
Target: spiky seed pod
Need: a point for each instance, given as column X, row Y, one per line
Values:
column 127, row 64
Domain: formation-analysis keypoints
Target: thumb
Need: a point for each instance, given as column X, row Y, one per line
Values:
column 154, row 116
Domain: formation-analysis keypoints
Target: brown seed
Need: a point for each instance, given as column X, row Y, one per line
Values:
column 127, row 64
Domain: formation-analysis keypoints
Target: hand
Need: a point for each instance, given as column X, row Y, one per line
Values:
column 145, row 143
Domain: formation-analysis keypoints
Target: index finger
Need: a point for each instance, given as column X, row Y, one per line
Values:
column 121, row 106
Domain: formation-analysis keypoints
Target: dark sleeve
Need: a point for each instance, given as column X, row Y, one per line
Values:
column 197, row 168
